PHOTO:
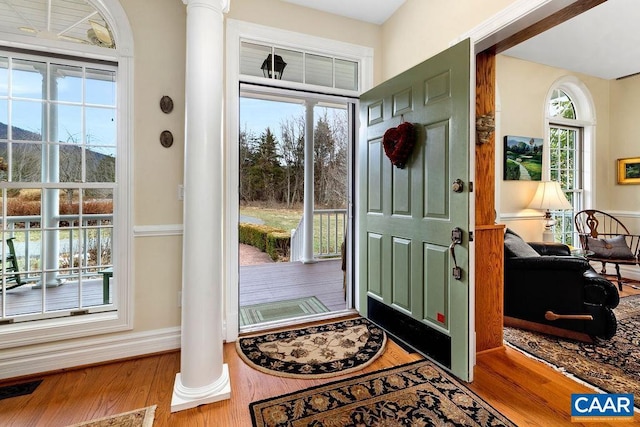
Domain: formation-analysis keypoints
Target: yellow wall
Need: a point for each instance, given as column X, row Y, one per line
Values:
column 623, row 143
column 419, row 29
column 159, row 31
column 522, row 89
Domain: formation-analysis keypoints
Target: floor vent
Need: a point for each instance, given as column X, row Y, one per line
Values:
column 18, row 389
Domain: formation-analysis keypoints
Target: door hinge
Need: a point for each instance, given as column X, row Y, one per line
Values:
column 80, row 312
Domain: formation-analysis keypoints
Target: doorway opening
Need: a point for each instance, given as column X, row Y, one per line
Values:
column 294, row 196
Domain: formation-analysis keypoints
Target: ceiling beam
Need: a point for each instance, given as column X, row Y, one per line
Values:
column 551, row 21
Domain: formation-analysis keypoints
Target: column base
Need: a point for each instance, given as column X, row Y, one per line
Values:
column 186, row 398
column 53, row 283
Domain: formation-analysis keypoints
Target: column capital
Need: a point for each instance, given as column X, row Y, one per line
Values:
column 221, row 6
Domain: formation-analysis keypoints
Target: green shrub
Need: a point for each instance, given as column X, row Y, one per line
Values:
column 273, row 241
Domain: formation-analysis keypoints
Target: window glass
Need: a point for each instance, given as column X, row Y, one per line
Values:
column 260, row 60
column 67, row 126
column 294, row 70
column 252, row 56
column 26, row 120
column 346, row 74
column 4, row 119
column 101, row 164
column 70, row 162
column 318, row 70
column 27, row 78
column 101, row 126
column 68, row 83
column 561, row 105
column 25, row 162
column 4, row 76
column 100, row 87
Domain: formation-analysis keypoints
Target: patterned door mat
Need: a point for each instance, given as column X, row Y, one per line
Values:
column 415, row 394
column 319, row 351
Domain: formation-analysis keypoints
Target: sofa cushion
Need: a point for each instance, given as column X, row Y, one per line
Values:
column 612, row 248
column 515, row 247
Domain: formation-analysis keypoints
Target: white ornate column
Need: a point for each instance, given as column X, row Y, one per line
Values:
column 309, row 194
column 203, row 377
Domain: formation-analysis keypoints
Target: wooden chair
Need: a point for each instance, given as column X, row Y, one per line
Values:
column 11, row 262
column 609, row 239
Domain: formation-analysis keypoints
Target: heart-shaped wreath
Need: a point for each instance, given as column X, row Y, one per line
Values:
column 398, row 143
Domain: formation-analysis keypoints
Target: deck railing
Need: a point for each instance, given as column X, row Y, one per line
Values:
column 329, row 226
column 29, row 245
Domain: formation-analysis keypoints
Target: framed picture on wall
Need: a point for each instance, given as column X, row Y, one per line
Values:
column 522, row 158
column 629, row 170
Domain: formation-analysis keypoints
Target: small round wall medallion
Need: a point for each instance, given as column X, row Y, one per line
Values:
column 166, row 104
column 166, row 138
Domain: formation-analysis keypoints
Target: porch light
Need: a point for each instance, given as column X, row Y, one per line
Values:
column 273, row 67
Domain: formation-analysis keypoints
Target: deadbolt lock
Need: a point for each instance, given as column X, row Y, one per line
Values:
column 457, row 186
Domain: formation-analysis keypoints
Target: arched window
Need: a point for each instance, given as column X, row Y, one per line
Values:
column 570, row 130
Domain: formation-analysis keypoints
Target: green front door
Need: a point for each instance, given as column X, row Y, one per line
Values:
column 407, row 215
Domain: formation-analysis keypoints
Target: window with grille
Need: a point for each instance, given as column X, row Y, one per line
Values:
column 565, row 161
column 272, row 62
column 58, row 149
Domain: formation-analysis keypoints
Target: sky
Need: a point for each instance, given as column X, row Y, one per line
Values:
column 257, row 114
column 96, row 99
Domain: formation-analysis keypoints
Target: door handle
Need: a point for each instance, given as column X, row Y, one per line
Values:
column 456, row 239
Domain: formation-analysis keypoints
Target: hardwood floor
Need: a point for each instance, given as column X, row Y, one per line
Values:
column 526, row 391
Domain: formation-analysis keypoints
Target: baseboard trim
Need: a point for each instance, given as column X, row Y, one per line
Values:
column 54, row 357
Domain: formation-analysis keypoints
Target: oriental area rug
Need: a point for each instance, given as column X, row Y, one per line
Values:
column 320, row 351
column 142, row 417
column 612, row 366
column 415, row 394
column 287, row 309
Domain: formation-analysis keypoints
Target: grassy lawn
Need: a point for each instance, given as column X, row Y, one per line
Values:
column 288, row 219
column 284, row 219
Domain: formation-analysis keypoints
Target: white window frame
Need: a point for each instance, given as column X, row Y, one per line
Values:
column 238, row 31
column 586, row 121
column 50, row 330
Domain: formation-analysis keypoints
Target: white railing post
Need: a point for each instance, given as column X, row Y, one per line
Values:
column 309, row 197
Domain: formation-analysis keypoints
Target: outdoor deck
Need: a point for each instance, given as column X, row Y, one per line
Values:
column 27, row 299
column 287, row 280
column 263, row 283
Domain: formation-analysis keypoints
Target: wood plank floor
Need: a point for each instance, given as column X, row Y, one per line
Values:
column 526, row 391
column 27, row 299
column 287, row 280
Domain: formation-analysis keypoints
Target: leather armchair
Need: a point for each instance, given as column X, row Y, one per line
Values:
column 550, row 291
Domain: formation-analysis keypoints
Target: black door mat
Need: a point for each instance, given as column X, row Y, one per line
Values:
column 18, row 389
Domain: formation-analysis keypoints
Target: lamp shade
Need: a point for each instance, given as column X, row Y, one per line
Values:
column 549, row 197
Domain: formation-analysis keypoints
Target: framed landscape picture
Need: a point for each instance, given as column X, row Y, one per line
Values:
column 522, row 158
column 629, row 170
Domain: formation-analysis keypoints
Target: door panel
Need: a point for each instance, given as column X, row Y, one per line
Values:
column 408, row 215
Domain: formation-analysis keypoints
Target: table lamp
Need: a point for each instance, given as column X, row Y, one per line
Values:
column 549, row 197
